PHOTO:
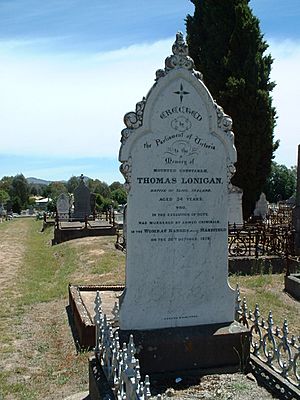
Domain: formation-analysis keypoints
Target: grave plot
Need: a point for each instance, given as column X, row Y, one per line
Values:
column 80, row 223
column 177, row 157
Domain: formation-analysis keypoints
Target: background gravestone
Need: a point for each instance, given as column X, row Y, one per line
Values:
column 63, row 206
column 235, row 208
column 261, row 207
column 177, row 157
column 93, row 204
column 82, row 201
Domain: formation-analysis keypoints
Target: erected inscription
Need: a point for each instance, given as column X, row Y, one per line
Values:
column 176, row 159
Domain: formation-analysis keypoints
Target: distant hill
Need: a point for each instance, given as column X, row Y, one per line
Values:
column 37, row 181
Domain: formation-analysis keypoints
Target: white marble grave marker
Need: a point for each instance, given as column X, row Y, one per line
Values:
column 177, row 157
column 261, row 207
column 235, row 208
column 63, row 206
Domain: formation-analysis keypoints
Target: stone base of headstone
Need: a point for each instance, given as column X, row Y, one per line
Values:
column 99, row 387
column 76, row 230
column 205, row 349
column 296, row 224
column 81, row 302
column 292, row 285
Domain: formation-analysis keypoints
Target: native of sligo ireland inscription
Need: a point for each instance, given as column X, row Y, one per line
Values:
column 177, row 153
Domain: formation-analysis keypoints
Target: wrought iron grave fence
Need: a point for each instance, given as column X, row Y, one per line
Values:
column 273, row 349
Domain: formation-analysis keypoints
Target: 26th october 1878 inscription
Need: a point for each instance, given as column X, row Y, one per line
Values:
column 177, row 154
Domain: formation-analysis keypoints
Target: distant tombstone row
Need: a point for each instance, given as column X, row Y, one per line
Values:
column 84, row 203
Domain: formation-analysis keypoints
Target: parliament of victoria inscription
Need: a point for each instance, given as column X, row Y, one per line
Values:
column 177, row 157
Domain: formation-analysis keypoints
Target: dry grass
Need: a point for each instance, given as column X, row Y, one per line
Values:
column 38, row 356
column 268, row 292
column 38, row 359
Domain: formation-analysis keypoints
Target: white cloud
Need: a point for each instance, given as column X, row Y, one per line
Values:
column 74, row 106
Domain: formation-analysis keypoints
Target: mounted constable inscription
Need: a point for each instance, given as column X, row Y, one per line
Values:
column 177, row 157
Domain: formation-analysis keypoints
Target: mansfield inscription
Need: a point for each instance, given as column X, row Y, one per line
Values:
column 177, row 157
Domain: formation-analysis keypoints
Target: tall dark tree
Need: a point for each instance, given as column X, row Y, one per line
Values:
column 19, row 191
column 17, row 205
column 227, row 46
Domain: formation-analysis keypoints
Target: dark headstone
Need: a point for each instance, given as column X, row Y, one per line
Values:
column 82, row 201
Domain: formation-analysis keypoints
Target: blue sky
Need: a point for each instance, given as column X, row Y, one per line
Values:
column 70, row 70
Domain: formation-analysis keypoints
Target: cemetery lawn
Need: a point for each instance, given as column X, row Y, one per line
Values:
column 268, row 292
column 38, row 358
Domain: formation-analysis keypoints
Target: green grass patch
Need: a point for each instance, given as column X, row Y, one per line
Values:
column 240, row 386
column 268, row 292
column 20, row 390
column 107, row 263
column 46, row 269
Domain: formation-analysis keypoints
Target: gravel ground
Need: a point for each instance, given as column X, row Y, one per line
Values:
column 222, row 387
column 211, row 387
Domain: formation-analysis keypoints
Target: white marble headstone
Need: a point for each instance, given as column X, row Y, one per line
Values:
column 177, row 157
column 235, row 208
column 261, row 207
column 63, row 206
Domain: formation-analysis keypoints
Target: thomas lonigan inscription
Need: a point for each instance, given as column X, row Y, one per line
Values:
column 177, row 157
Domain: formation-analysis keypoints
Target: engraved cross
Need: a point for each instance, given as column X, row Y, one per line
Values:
column 181, row 92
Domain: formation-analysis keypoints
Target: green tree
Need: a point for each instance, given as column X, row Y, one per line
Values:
column 55, row 189
column 46, row 190
column 116, row 185
column 51, row 206
column 119, row 196
column 72, row 183
column 16, row 204
column 5, row 183
column 19, row 191
column 227, row 46
column 102, row 203
column 281, row 183
column 37, row 189
column 33, row 190
column 4, row 197
column 96, row 186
